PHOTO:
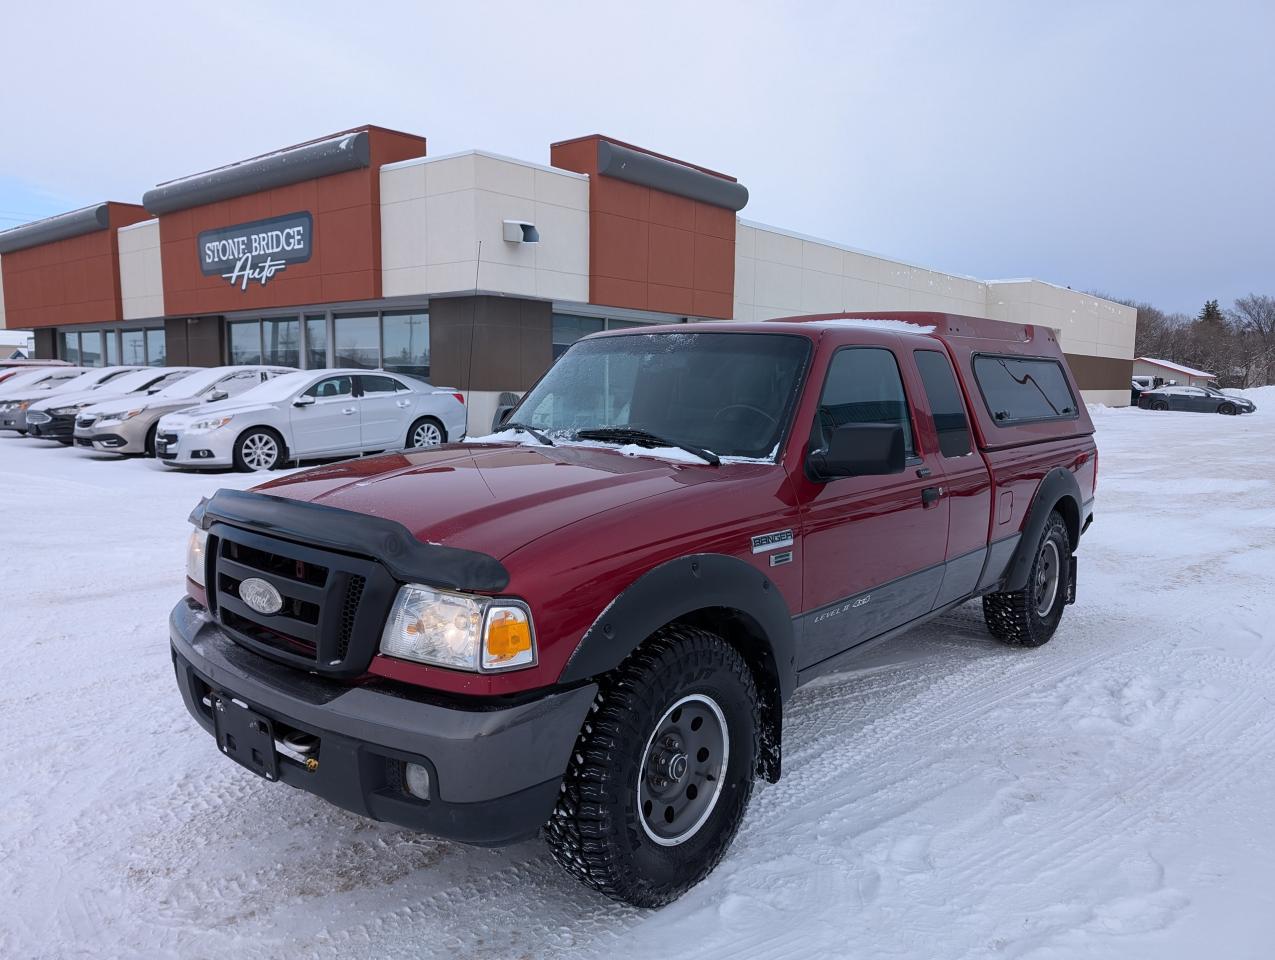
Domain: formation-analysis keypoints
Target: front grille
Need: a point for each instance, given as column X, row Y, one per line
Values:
column 169, row 441
column 333, row 604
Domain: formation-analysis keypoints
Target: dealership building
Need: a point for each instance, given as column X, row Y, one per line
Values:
column 475, row 270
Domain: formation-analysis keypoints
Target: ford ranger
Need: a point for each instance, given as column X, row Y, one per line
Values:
column 587, row 624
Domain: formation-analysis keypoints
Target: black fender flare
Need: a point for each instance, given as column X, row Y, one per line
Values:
column 679, row 588
column 1058, row 488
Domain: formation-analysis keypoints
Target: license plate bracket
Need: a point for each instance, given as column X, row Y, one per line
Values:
column 245, row 736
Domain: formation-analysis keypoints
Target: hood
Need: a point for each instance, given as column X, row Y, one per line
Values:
column 492, row 498
column 186, row 412
column 70, row 399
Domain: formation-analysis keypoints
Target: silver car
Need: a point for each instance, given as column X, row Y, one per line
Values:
column 310, row 415
column 53, row 418
column 128, row 425
column 13, row 410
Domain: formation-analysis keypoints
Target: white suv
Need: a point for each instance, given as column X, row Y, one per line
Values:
column 312, row 414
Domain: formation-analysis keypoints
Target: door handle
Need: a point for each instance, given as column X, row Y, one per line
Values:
column 349, row 410
column 931, row 494
column 922, row 472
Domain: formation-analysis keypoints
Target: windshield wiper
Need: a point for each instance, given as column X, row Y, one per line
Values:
column 644, row 438
column 523, row 428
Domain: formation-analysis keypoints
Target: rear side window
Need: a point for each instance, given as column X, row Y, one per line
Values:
column 1017, row 390
column 373, row 384
column 864, row 386
column 331, row 387
column 945, row 403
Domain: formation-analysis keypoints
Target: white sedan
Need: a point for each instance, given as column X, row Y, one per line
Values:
column 312, row 414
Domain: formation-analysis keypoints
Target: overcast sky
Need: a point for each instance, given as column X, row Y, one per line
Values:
column 1126, row 147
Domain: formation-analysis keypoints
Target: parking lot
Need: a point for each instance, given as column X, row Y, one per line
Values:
column 1107, row 795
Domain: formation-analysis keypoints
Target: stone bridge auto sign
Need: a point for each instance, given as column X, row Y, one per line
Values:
column 255, row 252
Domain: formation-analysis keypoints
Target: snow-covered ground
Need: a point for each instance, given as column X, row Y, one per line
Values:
column 1109, row 795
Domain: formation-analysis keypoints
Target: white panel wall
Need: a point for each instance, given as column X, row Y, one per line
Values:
column 141, row 273
column 436, row 211
column 779, row 274
column 3, row 323
column 1086, row 324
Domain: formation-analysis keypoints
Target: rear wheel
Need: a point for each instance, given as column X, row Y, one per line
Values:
column 662, row 772
column 1029, row 617
column 1159, row 405
column 259, row 448
column 425, row 432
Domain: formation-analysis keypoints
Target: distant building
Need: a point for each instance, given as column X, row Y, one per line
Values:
column 16, row 344
column 1168, row 371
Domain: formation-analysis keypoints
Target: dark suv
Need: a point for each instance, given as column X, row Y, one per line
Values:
column 588, row 623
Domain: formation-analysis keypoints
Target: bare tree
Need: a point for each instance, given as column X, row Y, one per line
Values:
column 1254, row 318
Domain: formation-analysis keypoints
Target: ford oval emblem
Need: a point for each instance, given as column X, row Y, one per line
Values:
column 260, row 595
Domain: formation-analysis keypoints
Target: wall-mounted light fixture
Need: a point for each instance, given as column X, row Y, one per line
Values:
column 520, row 231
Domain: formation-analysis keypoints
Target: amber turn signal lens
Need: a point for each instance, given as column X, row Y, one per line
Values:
column 508, row 635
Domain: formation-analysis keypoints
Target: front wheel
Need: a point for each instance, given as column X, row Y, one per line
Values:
column 1228, row 409
column 425, row 432
column 662, row 772
column 1029, row 617
column 258, row 449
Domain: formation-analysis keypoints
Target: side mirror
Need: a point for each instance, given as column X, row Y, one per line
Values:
column 859, row 450
column 218, row 395
column 305, row 400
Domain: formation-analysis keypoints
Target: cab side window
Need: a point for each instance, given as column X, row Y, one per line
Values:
column 946, row 405
column 331, row 387
column 863, row 386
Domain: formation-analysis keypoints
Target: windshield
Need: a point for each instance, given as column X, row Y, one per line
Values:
column 89, row 380
column 137, row 380
column 195, row 384
column 29, row 377
column 278, row 388
column 729, row 393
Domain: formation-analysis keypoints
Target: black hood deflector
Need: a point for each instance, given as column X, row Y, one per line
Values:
column 386, row 541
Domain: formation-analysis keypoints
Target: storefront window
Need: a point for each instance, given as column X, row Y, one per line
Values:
column 245, row 341
column 156, row 348
column 91, row 348
column 568, row 328
column 69, row 347
column 358, row 342
column 132, row 348
column 281, row 342
column 316, row 342
column 406, row 343
column 112, row 353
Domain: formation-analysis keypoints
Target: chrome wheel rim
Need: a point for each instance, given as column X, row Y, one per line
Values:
column 426, row 435
column 683, row 768
column 1048, row 566
column 260, row 451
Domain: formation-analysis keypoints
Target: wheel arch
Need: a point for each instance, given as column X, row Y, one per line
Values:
column 1057, row 491
column 715, row 592
column 284, row 450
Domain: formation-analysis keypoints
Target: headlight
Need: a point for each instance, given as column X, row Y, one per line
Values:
column 212, row 423
column 68, row 411
column 23, row 404
column 458, row 630
column 121, row 414
column 195, row 555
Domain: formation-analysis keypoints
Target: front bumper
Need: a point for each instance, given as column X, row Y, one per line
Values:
column 212, row 448
column 494, row 771
column 111, row 436
column 55, row 428
column 14, row 419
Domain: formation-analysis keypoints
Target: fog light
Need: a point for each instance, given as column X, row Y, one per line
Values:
column 417, row 778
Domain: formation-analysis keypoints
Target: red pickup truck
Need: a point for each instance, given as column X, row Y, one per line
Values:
column 588, row 623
